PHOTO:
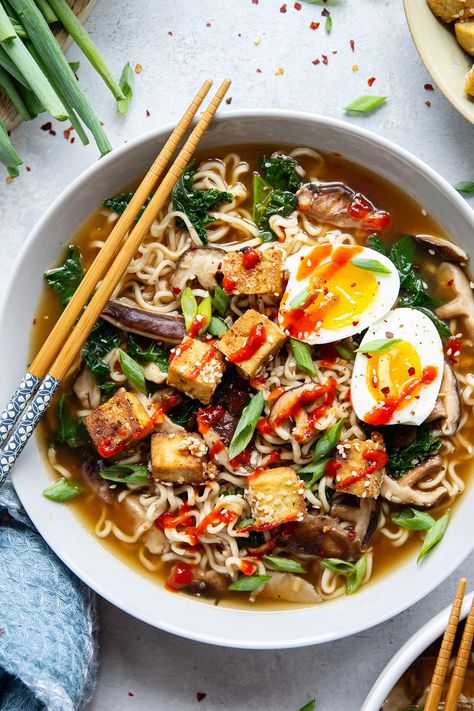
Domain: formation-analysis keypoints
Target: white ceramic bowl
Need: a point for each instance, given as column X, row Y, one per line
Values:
column 412, row 649
column 76, row 546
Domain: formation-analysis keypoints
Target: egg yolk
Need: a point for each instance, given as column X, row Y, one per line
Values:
column 338, row 291
column 388, row 372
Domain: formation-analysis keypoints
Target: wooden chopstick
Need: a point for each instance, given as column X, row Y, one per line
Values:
column 444, row 654
column 62, row 329
column 460, row 665
column 68, row 352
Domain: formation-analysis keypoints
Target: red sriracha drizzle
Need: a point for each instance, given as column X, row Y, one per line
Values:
column 332, row 467
column 196, row 325
column 187, row 343
column 106, row 449
column 452, row 347
column 250, row 258
column 264, row 426
column 310, row 394
column 255, row 340
column 180, row 575
column 383, row 411
column 361, row 209
column 207, row 357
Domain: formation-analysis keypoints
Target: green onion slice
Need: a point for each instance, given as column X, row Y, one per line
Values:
column 465, row 186
column 370, row 265
column 434, row 535
column 300, row 298
column 62, row 490
column 217, row 326
column 285, row 564
column 133, row 371
column 205, row 309
column 220, row 300
column 302, row 354
column 380, row 345
column 246, row 425
column 413, row 519
column 249, row 583
column 126, row 83
column 364, row 104
column 188, row 306
column 126, row 474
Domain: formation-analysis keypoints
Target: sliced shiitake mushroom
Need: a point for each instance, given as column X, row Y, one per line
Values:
column 450, row 251
column 159, row 327
column 202, row 264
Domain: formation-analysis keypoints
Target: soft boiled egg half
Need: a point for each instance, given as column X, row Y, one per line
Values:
column 398, row 377
column 336, row 290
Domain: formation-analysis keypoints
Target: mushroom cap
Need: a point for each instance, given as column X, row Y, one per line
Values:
column 448, row 408
column 449, row 250
column 401, row 491
column 202, row 264
column 160, row 327
column 301, row 432
column 323, row 537
column 454, row 282
column 364, row 514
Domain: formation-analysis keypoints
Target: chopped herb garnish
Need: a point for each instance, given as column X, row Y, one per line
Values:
column 328, row 24
column 300, row 299
column 354, row 572
column 148, row 351
column 287, row 565
column 365, row 103
column 413, row 519
column 217, row 326
column 374, row 242
column 196, row 203
column 65, row 279
column 303, row 358
column 103, row 338
column 402, row 255
column 267, row 202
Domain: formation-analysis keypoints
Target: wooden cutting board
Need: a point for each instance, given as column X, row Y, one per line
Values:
column 82, row 9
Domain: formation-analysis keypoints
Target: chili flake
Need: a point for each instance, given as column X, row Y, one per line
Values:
column 352, row 45
column 283, row 8
column 429, row 87
column 279, row 71
column 355, row 67
column 297, row 6
column 370, row 81
column 138, row 68
column 314, row 25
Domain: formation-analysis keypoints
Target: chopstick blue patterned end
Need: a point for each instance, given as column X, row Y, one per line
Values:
column 26, row 425
column 17, row 403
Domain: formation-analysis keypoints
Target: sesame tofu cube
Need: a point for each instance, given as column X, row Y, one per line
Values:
column 118, row 423
column 196, row 369
column 275, row 497
column 264, row 277
column 178, row 458
column 354, row 458
column 237, row 337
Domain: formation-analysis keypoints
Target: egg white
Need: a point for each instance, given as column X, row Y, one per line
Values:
column 416, row 328
column 384, row 299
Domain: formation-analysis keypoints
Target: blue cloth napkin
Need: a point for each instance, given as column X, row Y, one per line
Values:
column 48, row 645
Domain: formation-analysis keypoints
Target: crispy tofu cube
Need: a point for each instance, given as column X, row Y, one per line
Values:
column 465, row 35
column 469, row 82
column 354, row 459
column 178, row 458
column 117, row 423
column 264, row 277
column 275, row 497
column 451, row 10
column 196, row 369
column 238, row 336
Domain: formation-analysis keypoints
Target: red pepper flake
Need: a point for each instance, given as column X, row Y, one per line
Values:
column 259, row 71
column 370, row 81
column 450, row 282
column 229, row 100
column 27, row 168
column 130, row 693
column 334, row 51
column 254, row 2
column 325, row 12
column 67, row 132
column 352, row 45
column 208, row 24
column 200, row 696
column 147, row 113
column 297, row 6
column 428, row 103
column 283, row 8
column 429, row 87
column 385, row 390
column 47, row 126
column 314, row 25
column 170, row 33
column 411, row 371
column 72, row 139
column 52, row 133
column 355, row 323
column 325, row 59
column 316, row 62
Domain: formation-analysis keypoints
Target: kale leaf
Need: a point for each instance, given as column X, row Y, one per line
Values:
column 185, row 413
column 148, row 351
column 268, row 202
column 402, row 255
column 102, row 339
column 70, row 430
column 196, row 203
column 374, row 242
column 118, row 203
column 65, row 279
column 280, row 172
column 403, row 459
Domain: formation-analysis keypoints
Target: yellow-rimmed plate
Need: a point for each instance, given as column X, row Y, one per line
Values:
column 442, row 56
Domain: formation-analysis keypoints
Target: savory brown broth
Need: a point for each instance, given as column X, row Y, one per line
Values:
column 407, row 218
